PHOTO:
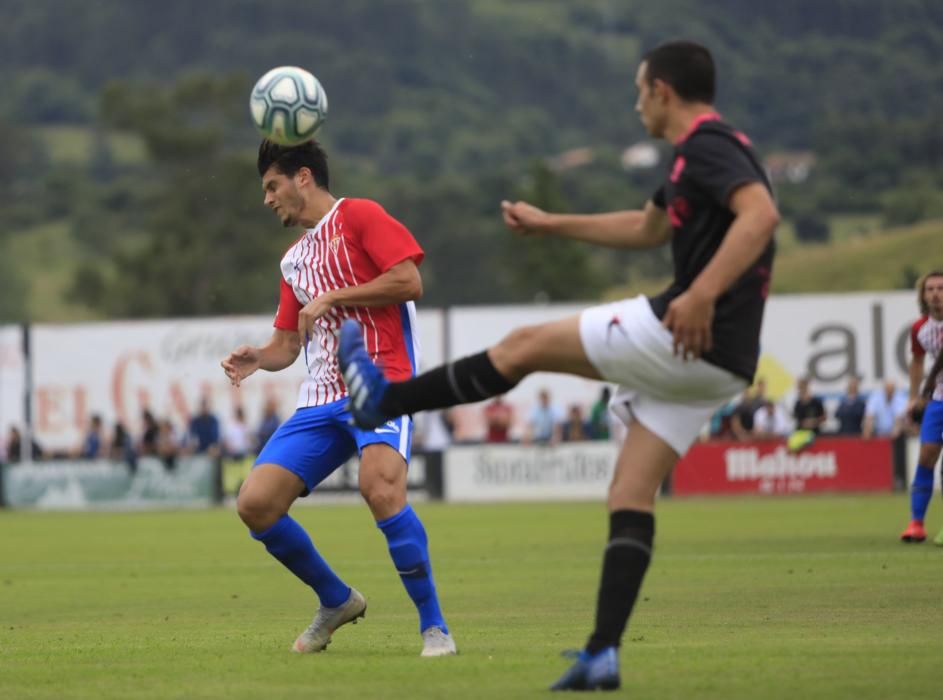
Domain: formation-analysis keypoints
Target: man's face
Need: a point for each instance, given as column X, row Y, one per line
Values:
column 650, row 102
column 282, row 196
column 853, row 386
column 933, row 296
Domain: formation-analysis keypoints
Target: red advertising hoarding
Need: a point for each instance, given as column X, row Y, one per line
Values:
column 829, row 464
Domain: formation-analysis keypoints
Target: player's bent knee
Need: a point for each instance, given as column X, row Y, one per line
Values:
column 929, row 453
column 257, row 513
column 385, row 498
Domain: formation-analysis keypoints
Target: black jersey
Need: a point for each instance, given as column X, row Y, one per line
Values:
column 710, row 162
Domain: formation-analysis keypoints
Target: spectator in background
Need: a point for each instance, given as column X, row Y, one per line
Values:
column 850, row 411
column 236, row 439
column 269, row 424
column 543, row 425
column 574, row 428
column 770, row 422
column 751, row 401
column 204, row 435
column 884, row 413
column 14, row 448
column 433, row 430
column 149, row 438
column 720, row 426
column 498, row 418
column 168, row 443
column 122, row 447
column 93, row 444
column 599, row 416
column 808, row 411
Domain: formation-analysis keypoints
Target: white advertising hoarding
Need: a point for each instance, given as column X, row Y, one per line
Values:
column 568, row 471
column 117, row 369
column 12, row 380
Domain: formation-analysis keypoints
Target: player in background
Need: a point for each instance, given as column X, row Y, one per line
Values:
column 677, row 357
column 353, row 261
column 926, row 338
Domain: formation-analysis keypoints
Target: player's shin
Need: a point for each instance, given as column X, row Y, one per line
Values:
column 625, row 562
column 467, row 380
column 409, row 549
column 288, row 542
column 921, row 491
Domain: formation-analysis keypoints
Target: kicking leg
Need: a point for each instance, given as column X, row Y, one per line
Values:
column 383, row 486
column 549, row 347
column 264, row 500
column 644, row 462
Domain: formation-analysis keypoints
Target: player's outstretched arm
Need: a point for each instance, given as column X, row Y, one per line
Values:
column 648, row 228
column 280, row 352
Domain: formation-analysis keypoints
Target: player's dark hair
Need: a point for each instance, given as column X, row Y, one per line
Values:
column 288, row 160
column 685, row 66
column 922, row 288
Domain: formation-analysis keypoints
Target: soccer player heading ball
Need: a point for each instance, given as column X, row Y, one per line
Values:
column 677, row 356
column 352, row 261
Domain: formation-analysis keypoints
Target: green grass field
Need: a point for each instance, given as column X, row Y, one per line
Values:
column 747, row 598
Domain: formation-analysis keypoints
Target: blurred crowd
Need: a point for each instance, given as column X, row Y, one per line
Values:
column 879, row 412
column 204, row 433
column 546, row 423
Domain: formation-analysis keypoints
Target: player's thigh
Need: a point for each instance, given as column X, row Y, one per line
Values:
column 644, row 462
column 382, row 466
column 384, row 460
column 549, row 347
column 311, row 444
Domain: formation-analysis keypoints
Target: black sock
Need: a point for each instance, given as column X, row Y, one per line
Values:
column 624, row 564
column 467, row 380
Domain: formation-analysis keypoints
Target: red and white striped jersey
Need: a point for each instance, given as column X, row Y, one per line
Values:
column 355, row 242
column 926, row 338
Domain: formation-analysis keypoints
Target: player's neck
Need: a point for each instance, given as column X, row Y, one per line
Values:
column 317, row 204
column 684, row 118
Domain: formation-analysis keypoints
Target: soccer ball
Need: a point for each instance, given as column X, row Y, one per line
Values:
column 288, row 105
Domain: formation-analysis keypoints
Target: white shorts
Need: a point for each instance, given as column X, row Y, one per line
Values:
column 629, row 346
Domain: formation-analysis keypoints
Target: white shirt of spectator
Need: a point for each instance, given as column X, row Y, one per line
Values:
column 773, row 422
column 885, row 413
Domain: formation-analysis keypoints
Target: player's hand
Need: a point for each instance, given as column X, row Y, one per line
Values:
column 240, row 363
column 524, row 218
column 689, row 319
column 312, row 311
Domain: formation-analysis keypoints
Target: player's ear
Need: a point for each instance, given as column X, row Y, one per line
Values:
column 661, row 90
column 303, row 177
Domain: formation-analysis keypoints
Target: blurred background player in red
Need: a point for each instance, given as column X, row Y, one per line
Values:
column 926, row 339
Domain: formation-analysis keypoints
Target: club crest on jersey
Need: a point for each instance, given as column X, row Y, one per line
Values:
column 335, row 243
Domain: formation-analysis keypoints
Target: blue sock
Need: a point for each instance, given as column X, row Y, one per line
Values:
column 409, row 549
column 921, row 491
column 288, row 542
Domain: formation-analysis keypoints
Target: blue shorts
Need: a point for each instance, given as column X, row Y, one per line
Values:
column 931, row 427
column 317, row 440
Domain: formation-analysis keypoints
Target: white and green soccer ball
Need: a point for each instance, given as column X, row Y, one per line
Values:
column 288, row 105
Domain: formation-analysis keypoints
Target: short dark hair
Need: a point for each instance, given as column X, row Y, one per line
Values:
column 685, row 66
column 288, row 160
